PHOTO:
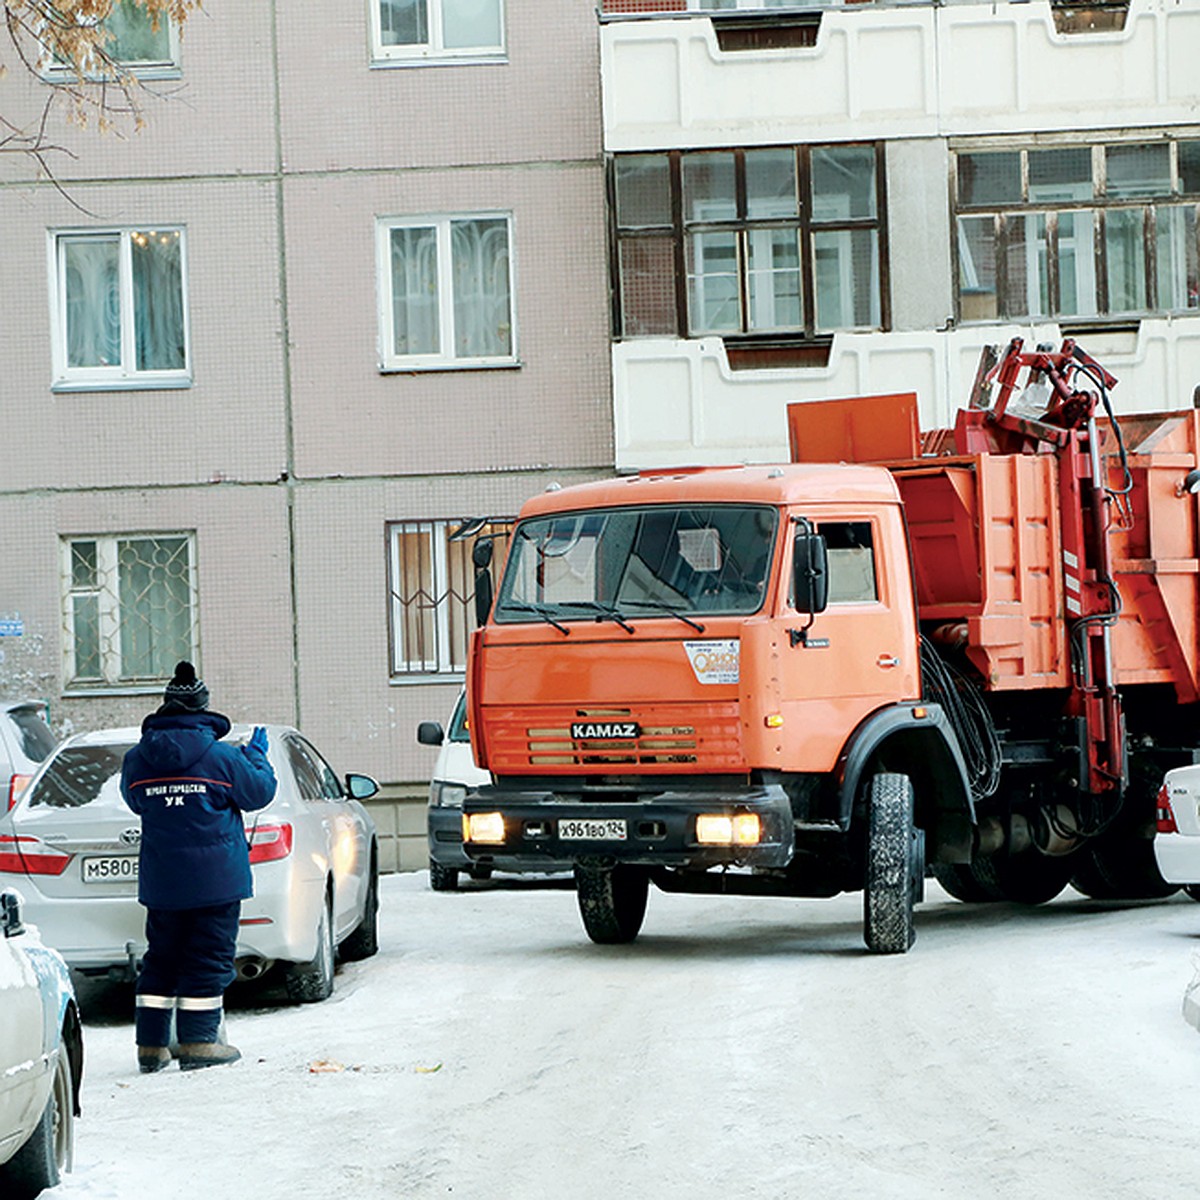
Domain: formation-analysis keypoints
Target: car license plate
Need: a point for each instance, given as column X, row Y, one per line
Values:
column 610, row 829
column 117, row 869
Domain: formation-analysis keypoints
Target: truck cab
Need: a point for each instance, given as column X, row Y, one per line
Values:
column 664, row 685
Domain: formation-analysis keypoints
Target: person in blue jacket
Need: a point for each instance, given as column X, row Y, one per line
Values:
column 190, row 789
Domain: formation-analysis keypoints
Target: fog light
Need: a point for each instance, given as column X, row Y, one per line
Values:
column 742, row 829
column 487, row 828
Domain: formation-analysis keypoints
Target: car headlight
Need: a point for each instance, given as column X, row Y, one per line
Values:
column 446, row 795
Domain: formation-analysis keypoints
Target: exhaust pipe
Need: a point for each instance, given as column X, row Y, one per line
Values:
column 251, row 968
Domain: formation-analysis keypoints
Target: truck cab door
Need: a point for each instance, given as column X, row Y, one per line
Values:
column 859, row 654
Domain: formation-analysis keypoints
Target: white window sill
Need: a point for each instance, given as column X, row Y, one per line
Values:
column 484, row 58
column 450, row 364
column 78, row 692
column 124, row 384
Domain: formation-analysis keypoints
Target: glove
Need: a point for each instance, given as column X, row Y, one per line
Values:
column 258, row 740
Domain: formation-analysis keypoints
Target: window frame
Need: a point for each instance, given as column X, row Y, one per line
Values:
column 120, row 377
column 107, row 590
column 680, row 230
column 392, row 363
column 146, row 70
column 432, row 52
column 439, row 532
column 1009, row 218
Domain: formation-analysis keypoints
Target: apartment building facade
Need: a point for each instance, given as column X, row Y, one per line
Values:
column 820, row 200
column 260, row 361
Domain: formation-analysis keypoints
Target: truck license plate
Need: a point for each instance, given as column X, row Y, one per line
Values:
column 610, row 829
column 117, row 869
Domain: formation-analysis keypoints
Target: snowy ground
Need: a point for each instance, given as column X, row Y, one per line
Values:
column 740, row 1048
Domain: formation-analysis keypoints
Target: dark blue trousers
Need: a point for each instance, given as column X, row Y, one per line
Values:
column 187, row 967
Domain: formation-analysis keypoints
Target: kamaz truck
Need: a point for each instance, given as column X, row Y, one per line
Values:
column 968, row 652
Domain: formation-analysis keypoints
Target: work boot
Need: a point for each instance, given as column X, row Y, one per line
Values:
column 153, row 1058
column 194, row 1055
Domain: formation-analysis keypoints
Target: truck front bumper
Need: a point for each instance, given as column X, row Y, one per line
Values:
column 657, row 829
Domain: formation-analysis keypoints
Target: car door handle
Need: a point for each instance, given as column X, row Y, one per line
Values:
column 885, row 661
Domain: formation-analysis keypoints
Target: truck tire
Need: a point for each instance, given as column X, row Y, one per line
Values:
column 1025, row 878
column 1120, row 870
column 612, row 901
column 895, row 866
column 962, row 882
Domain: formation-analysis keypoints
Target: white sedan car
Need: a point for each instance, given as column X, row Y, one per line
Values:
column 1177, row 840
column 72, row 844
column 41, row 1059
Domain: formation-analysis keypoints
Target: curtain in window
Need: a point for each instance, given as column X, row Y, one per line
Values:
column 1175, row 254
column 134, row 38
column 417, row 608
column 403, row 22
column 158, row 300
column 93, row 300
column 154, row 595
column 482, row 304
column 415, row 291
column 1124, row 238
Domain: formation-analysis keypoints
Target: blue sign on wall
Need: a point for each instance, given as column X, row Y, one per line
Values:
column 12, row 627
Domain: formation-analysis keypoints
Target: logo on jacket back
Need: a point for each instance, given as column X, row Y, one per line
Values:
column 604, row 730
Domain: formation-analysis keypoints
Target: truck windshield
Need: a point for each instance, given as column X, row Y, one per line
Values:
column 619, row 564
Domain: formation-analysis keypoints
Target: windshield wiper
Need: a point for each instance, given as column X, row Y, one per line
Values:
column 663, row 606
column 602, row 612
column 539, row 611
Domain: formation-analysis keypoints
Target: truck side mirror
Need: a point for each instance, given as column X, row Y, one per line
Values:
column 810, row 573
column 481, row 556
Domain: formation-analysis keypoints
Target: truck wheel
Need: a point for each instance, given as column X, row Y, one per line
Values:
column 612, row 901
column 442, row 879
column 961, row 881
column 1120, row 870
column 1025, row 878
column 895, row 867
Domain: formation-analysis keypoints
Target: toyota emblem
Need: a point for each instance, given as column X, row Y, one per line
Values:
column 131, row 836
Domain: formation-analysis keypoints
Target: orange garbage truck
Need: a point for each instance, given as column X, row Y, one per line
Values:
column 968, row 652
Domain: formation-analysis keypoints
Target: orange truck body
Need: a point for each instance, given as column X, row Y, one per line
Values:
column 991, row 629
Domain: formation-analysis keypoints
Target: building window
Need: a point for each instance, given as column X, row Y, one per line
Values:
column 129, row 612
column 777, row 241
column 408, row 31
column 134, row 40
column 120, row 309
column 432, row 591
column 1078, row 231
column 446, row 292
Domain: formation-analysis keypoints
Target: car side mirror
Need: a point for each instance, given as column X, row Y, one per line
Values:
column 361, row 787
column 810, row 572
column 481, row 556
column 431, row 733
column 10, row 909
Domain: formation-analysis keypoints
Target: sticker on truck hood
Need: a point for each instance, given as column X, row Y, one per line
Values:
column 714, row 661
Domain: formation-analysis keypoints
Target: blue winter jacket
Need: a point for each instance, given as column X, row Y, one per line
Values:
column 190, row 789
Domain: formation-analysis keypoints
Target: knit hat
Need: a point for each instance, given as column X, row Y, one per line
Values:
column 185, row 692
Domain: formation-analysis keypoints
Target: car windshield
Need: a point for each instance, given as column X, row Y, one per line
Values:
column 458, row 721
column 79, row 776
column 620, row 564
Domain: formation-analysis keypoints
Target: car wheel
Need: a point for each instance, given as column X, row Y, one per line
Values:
column 612, row 901
column 40, row 1162
column 364, row 941
column 442, row 879
column 895, row 865
column 308, row 983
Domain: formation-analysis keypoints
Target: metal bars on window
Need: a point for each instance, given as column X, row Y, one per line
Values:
column 432, row 591
column 129, row 608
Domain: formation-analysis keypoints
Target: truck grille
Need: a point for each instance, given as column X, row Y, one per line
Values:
column 705, row 736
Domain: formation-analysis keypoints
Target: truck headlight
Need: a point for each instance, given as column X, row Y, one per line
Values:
column 718, row 829
column 486, row 828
